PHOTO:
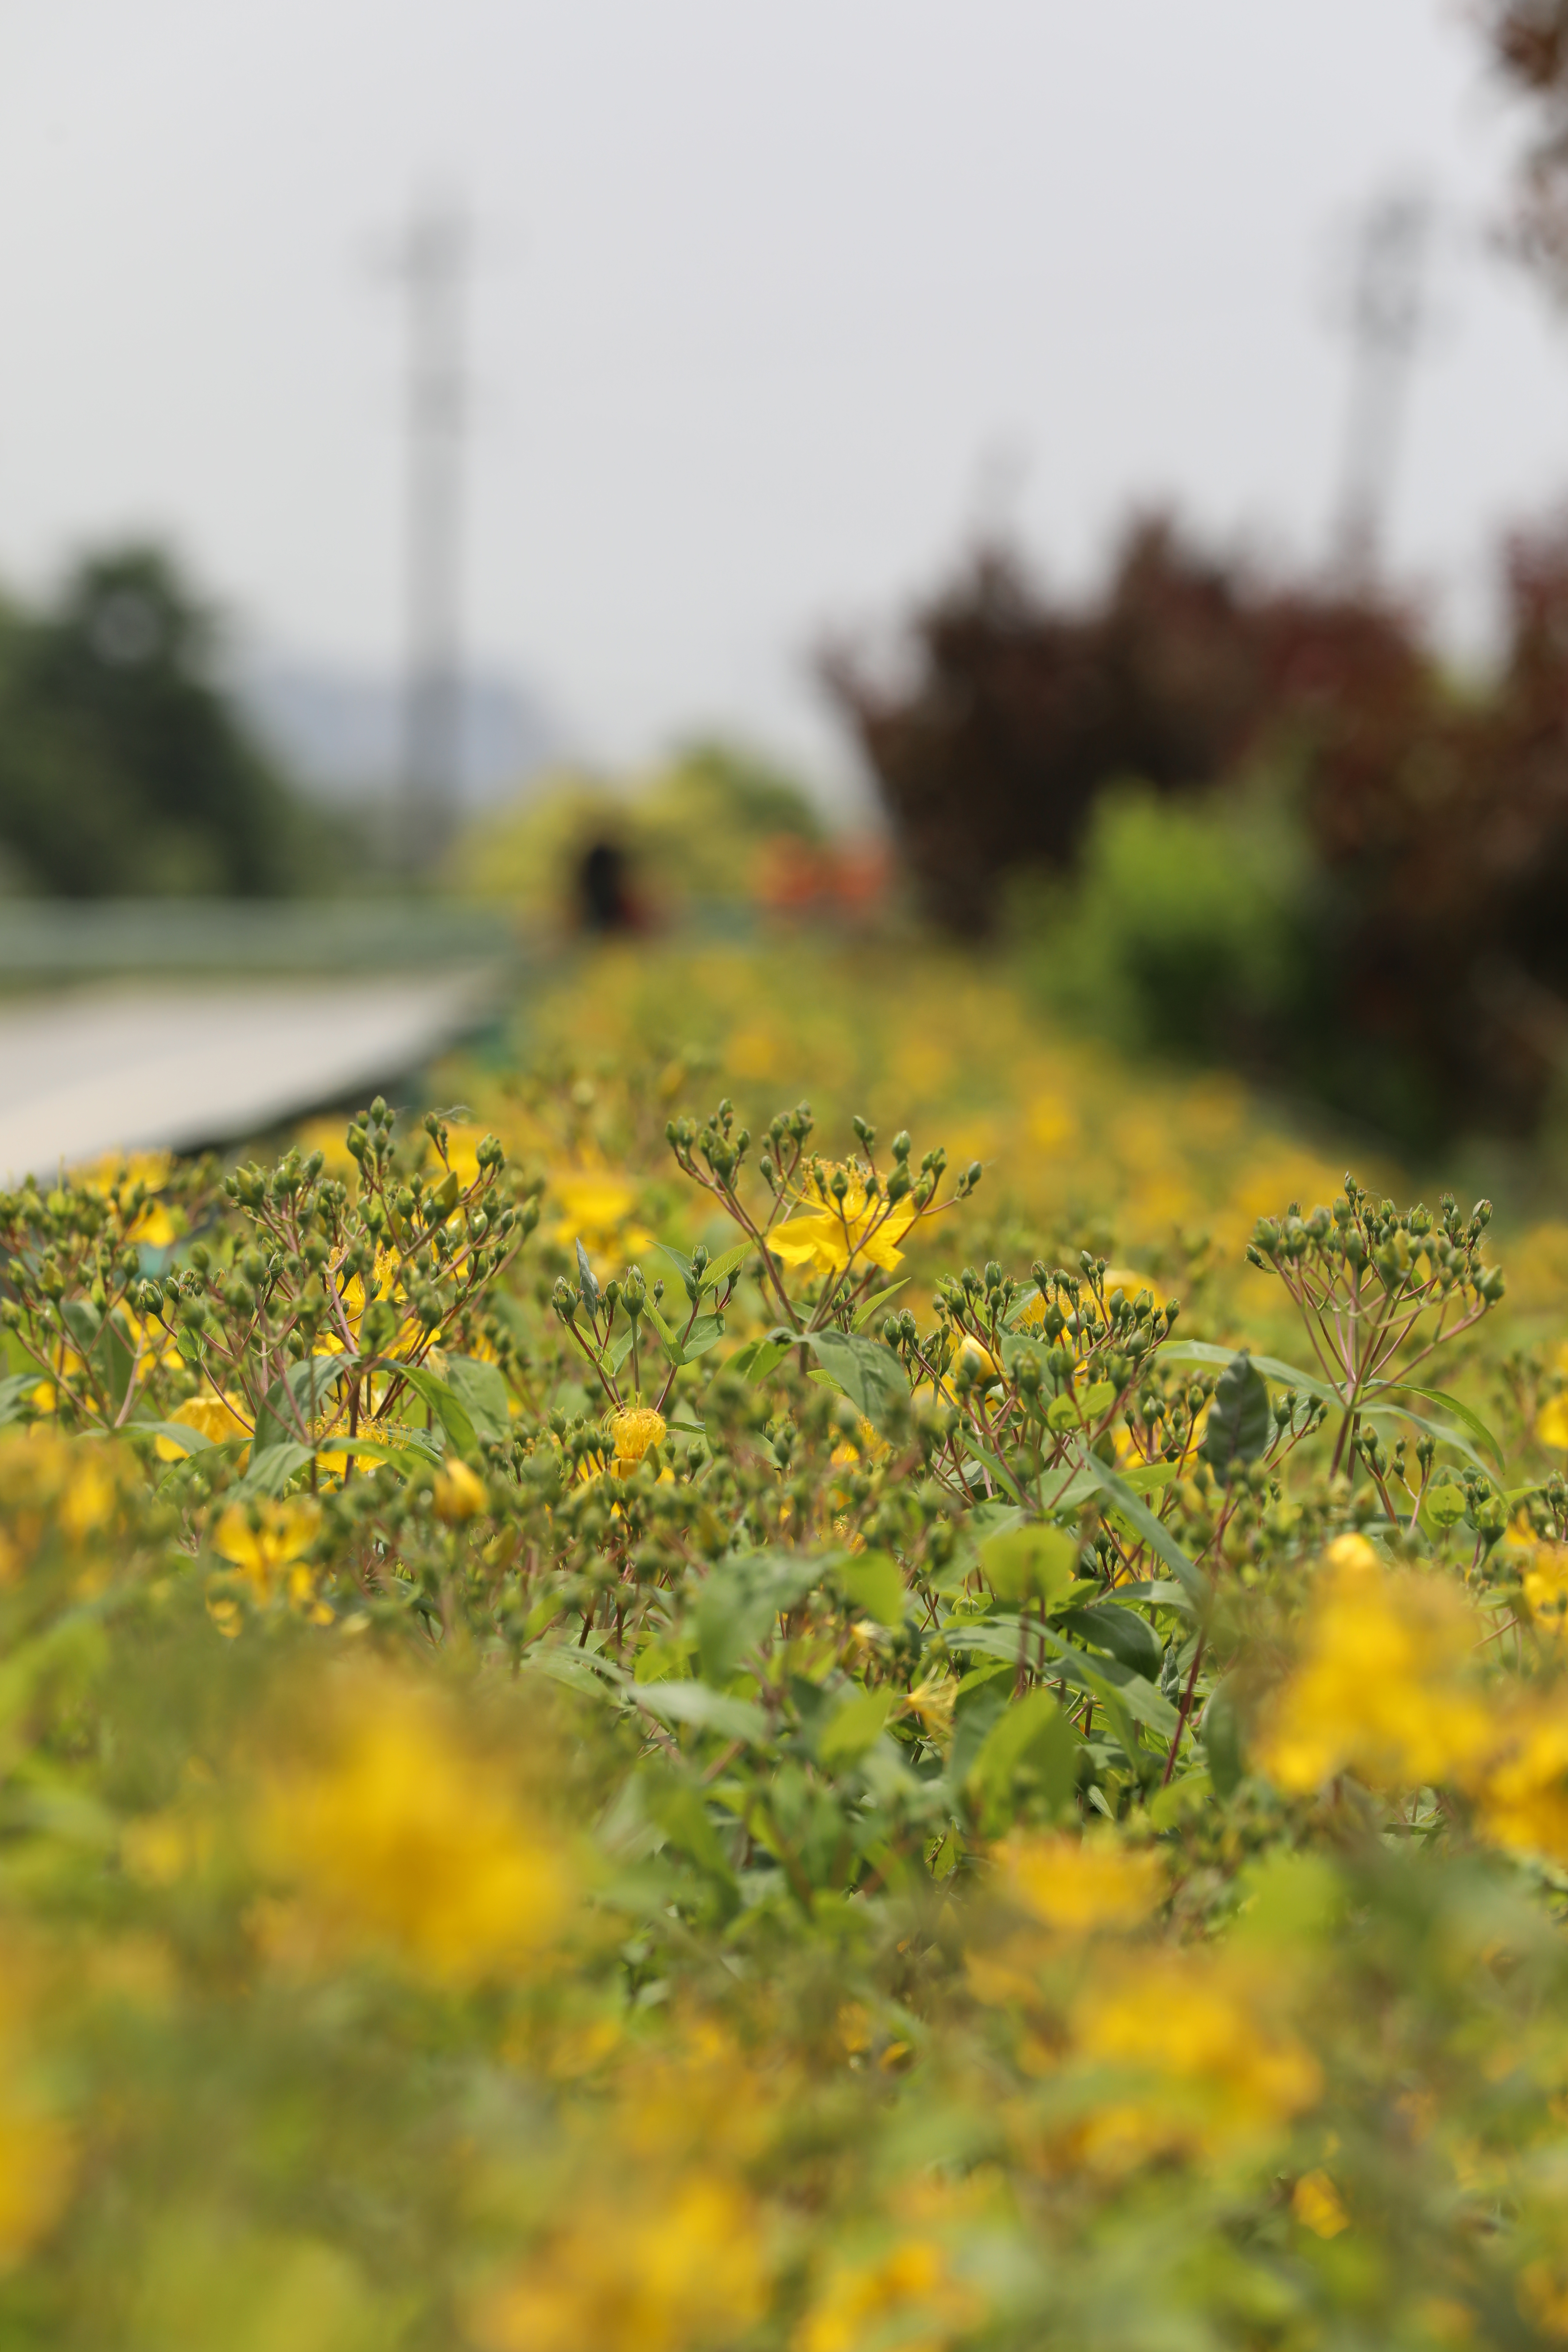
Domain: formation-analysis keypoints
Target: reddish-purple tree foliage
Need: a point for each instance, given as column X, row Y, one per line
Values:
column 1529, row 41
column 1437, row 820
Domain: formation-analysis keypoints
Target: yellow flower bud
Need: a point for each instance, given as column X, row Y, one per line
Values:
column 460, row 1493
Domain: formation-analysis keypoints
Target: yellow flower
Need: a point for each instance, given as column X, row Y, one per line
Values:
column 55, row 1485
column 37, row 2156
column 385, row 1283
column 906, row 2299
column 460, row 1493
column 867, row 1445
column 667, row 2267
column 1078, row 1885
column 1551, row 1420
column 1382, row 1686
column 1542, row 2296
column 150, row 1340
column 1316, row 2201
column 1350, row 1554
column 1210, row 2060
column 211, row 1417
column 635, row 1432
column 1546, row 1587
column 828, row 1236
column 118, row 1174
column 596, row 1206
column 267, row 1542
column 1521, row 1794
column 399, row 1836
column 932, row 1702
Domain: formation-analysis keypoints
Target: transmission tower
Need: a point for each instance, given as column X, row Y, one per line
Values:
column 1386, row 318
column 431, row 261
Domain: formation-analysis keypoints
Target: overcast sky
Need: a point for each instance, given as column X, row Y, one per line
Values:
column 777, row 305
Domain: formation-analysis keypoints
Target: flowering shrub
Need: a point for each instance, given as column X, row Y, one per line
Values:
column 635, row 1728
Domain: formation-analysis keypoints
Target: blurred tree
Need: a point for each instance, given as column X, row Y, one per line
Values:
column 1528, row 39
column 1430, row 976
column 124, row 768
column 1022, row 711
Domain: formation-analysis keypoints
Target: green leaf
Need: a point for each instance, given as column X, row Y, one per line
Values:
column 104, row 1345
column 1156, row 1593
column 874, row 1582
column 704, row 1710
column 869, row 1374
column 853, row 1727
column 665, row 1336
column 723, row 1267
column 877, row 1304
column 1184, row 1798
column 1200, row 1352
column 445, row 1403
column 272, row 1472
column 981, row 1700
column 1031, row 1737
column 409, row 1452
column 1158, row 1538
column 481, row 1391
column 115, row 1358
column 738, row 1606
column 757, row 1357
column 1461, row 1412
column 1127, row 1636
column 178, row 1433
column 1127, row 1696
column 705, row 1333
column 83, row 1322
column 1021, row 1306
column 1240, row 1420
column 1221, row 1735
column 580, row 1670
column 679, row 1809
column 1030, row 1563
column 683, row 1345
column 1100, row 1398
column 14, row 1390
column 994, row 1463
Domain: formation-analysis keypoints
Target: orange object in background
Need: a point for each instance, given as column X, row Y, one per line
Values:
column 795, row 876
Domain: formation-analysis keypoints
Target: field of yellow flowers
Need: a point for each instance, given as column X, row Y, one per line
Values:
column 820, row 1673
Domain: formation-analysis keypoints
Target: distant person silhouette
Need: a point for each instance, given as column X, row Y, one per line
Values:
column 604, row 895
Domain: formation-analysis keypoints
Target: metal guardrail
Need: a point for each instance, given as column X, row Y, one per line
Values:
column 54, row 938
column 133, row 1023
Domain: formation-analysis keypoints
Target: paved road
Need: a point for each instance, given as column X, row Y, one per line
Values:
column 134, row 1067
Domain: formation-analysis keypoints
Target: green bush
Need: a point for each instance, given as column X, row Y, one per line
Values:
column 1187, row 929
